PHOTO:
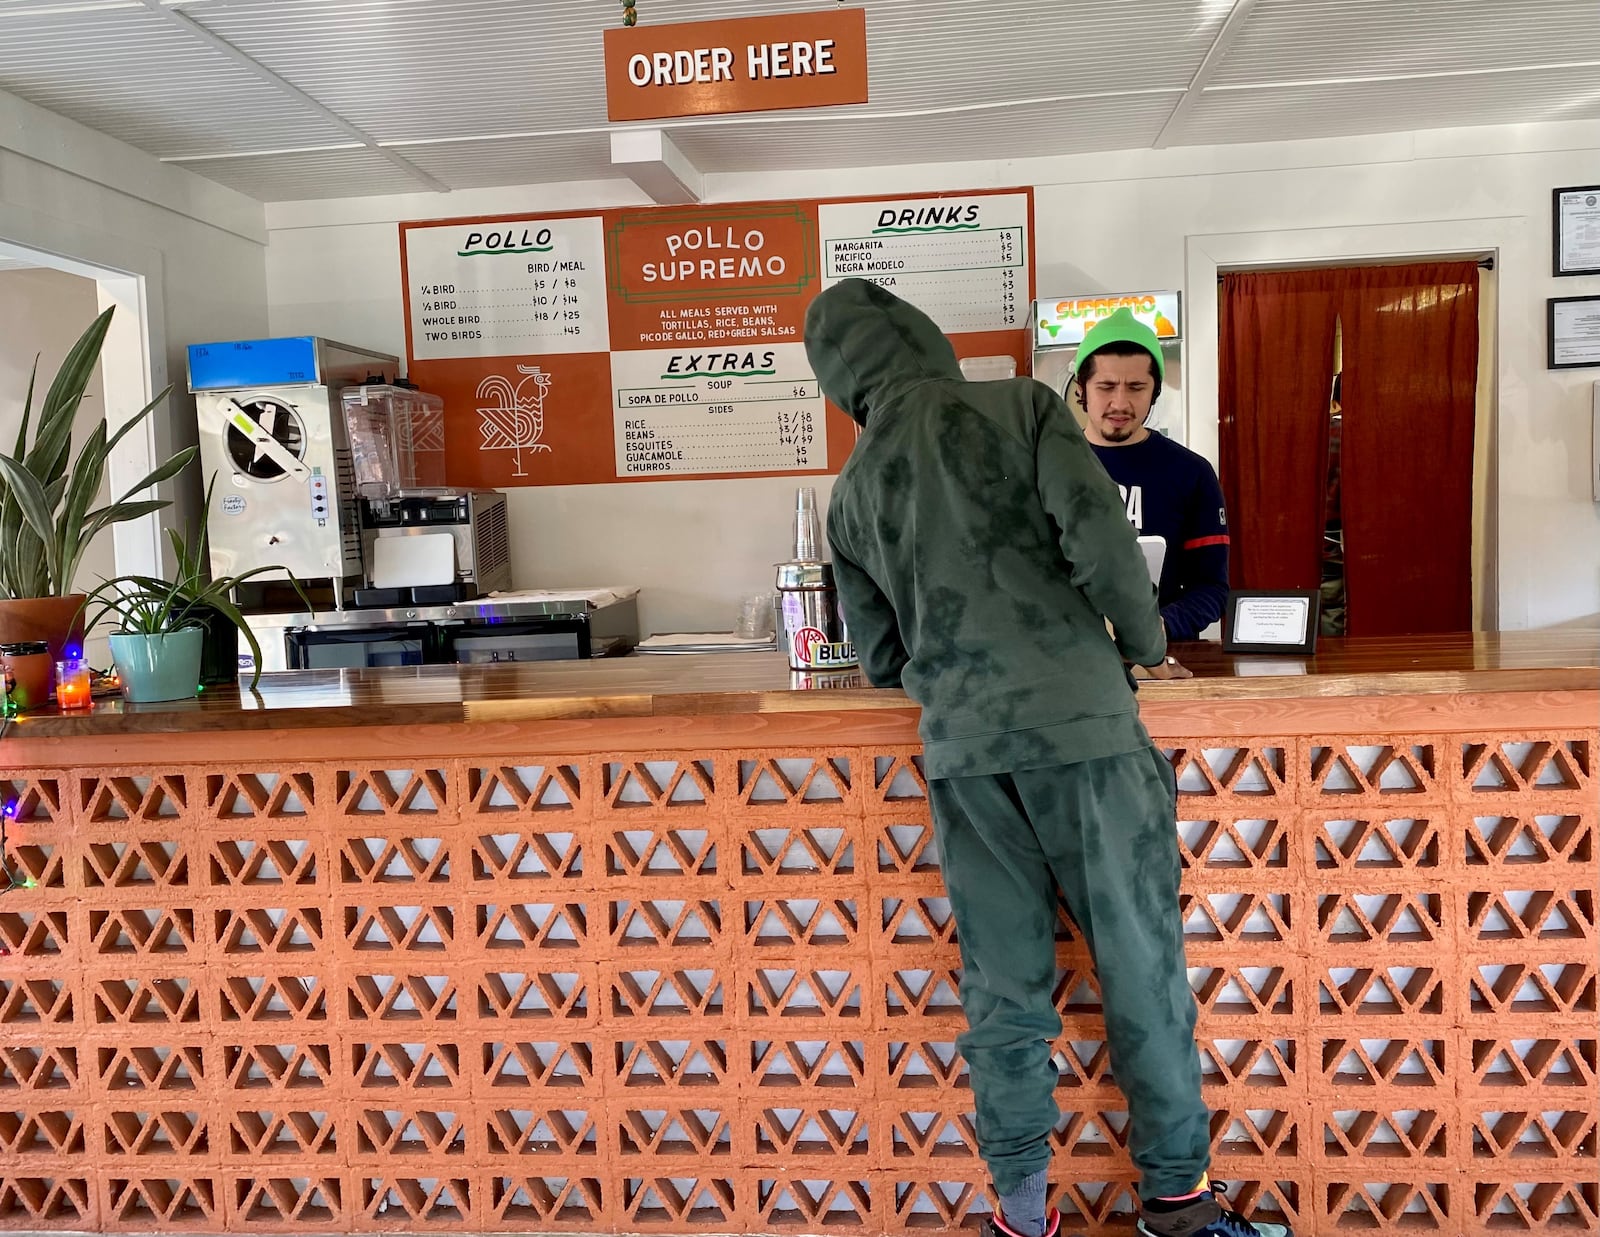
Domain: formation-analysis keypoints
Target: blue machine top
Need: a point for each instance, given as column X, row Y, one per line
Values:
column 253, row 363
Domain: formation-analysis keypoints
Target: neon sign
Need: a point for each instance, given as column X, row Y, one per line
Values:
column 1064, row 321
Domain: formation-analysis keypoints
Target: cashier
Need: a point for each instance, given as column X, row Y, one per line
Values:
column 1171, row 492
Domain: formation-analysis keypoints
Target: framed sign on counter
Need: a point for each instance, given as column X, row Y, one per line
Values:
column 654, row 343
column 1575, row 231
column 1572, row 327
column 1266, row 621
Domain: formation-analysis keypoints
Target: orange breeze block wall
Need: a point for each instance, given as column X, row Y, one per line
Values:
column 710, row 989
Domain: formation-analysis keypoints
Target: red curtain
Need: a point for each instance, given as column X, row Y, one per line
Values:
column 1409, row 394
column 1277, row 334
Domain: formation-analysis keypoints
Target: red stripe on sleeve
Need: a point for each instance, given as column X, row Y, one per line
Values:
column 1200, row 542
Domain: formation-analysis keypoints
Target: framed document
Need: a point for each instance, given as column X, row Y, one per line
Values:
column 1263, row 621
column 1575, row 231
column 1572, row 327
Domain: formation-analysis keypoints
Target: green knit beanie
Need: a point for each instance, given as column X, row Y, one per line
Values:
column 1121, row 327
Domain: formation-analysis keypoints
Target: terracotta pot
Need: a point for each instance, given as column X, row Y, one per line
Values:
column 58, row 621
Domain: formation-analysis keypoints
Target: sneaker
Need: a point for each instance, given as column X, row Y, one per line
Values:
column 1207, row 1216
column 994, row 1225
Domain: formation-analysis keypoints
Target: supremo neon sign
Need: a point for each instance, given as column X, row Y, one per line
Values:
column 1064, row 321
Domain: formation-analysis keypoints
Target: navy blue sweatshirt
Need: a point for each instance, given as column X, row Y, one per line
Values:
column 1173, row 493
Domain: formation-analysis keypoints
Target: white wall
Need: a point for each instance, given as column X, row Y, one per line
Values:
column 1122, row 221
column 195, row 251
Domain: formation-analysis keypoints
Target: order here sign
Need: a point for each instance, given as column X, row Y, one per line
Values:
column 748, row 64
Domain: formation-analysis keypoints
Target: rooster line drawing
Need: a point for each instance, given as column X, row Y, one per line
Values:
column 511, row 416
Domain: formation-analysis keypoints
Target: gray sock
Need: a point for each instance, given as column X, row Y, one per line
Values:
column 1023, row 1208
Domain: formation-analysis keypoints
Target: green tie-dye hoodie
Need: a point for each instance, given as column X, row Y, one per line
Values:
column 977, row 544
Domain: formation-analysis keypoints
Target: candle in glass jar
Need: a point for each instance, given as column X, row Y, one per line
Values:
column 72, row 684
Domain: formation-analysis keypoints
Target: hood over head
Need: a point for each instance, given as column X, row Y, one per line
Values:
column 865, row 344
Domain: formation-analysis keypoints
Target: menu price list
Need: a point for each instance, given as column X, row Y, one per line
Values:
column 687, row 322
column 531, row 287
column 744, row 411
column 964, row 302
column 963, row 262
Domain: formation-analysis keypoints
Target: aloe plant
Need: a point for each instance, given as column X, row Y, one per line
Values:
column 147, row 606
column 46, row 522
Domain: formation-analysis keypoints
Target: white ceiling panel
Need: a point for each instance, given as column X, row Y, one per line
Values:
column 405, row 70
column 135, row 75
column 415, row 69
column 357, row 172
column 947, row 53
column 1007, row 133
column 20, row 8
column 33, row 8
column 477, row 93
column 517, row 161
column 1314, row 40
column 1294, row 112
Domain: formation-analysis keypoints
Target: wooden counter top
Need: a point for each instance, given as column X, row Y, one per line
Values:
column 761, row 683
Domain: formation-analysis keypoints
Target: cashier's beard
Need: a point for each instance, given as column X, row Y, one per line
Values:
column 1119, row 429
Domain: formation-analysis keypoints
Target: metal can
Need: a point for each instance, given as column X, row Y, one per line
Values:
column 827, row 680
column 814, row 630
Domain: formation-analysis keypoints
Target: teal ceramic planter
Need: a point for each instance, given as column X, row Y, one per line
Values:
column 164, row 667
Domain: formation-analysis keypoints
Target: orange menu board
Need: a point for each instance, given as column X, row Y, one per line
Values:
column 660, row 343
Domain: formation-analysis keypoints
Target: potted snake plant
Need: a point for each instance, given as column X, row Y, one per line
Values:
column 46, row 517
column 160, row 627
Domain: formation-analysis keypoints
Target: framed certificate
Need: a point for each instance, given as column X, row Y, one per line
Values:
column 1575, row 231
column 1572, row 328
column 1261, row 621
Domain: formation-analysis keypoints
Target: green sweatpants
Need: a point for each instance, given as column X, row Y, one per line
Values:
column 1104, row 831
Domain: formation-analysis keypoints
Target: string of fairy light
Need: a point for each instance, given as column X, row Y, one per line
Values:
column 10, row 876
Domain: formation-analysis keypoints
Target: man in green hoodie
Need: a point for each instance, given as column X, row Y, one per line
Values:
column 981, row 552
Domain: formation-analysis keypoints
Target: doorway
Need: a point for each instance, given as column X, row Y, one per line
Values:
column 1354, row 438
column 46, row 302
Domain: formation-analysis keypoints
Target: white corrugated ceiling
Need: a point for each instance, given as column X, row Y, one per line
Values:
column 1072, row 126
column 287, row 99
column 1317, row 40
column 1337, row 108
column 128, row 73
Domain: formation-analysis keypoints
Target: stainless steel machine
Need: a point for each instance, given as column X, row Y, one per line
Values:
column 322, row 458
column 551, row 626
column 318, row 450
column 272, row 433
column 474, row 519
